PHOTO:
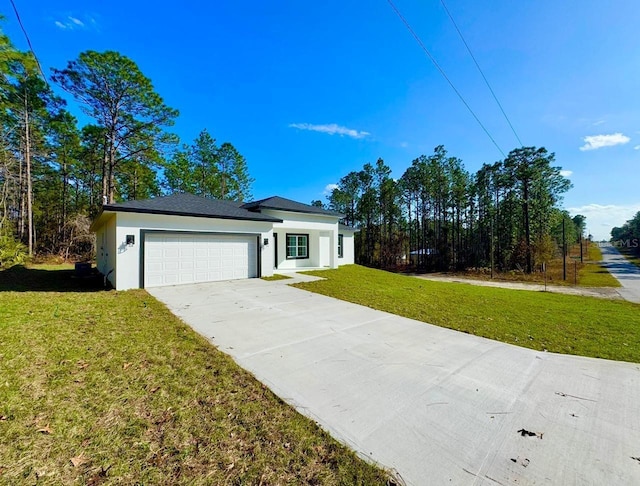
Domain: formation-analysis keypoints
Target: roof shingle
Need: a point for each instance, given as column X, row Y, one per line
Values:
column 283, row 204
column 183, row 204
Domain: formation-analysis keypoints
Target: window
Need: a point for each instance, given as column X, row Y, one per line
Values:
column 340, row 247
column 297, row 246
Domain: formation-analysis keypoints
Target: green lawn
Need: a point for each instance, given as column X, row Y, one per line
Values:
column 544, row 321
column 109, row 387
column 593, row 274
column 276, row 276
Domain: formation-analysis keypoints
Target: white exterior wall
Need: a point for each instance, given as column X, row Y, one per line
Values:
column 349, row 250
column 128, row 258
column 303, row 223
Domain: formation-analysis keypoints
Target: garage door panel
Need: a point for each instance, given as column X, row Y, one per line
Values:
column 187, row 265
column 192, row 258
column 154, row 252
column 227, row 274
column 169, row 266
column 170, row 252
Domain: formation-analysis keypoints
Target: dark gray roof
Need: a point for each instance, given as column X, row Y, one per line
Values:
column 283, row 204
column 190, row 205
column 344, row 227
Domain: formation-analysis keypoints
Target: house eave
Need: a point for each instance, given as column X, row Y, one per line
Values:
column 102, row 217
column 327, row 214
column 114, row 209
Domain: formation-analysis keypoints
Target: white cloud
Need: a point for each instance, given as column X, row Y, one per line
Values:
column 637, row 147
column 593, row 142
column 71, row 23
column 599, row 122
column 566, row 173
column 331, row 129
column 328, row 189
column 404, row 144
column 602, row 218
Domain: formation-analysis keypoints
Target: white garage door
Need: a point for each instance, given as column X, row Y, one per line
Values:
column 171, row 259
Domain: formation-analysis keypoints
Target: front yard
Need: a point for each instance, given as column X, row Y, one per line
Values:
column 109, row 387
column 558, row 323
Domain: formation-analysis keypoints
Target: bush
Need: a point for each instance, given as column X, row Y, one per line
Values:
column 12, row 252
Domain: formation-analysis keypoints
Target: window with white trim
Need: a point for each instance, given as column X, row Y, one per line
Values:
column 340, row 246
column 297, row 246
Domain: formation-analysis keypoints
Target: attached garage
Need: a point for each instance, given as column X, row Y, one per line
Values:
column 181, row 239
column 180, row 258
column 185, row 239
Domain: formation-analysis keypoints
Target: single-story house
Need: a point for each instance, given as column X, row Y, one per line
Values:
column 183, row 238
column 417, row 255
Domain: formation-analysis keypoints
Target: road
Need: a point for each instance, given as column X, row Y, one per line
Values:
column 625, row 272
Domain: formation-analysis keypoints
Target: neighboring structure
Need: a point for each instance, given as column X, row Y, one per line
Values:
column 417, row 255
column 184, row 238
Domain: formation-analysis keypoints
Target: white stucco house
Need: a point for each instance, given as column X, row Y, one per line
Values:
column 183, row 238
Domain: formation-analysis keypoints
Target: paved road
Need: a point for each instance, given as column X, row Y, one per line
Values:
column 627, row 273
column 438, row 406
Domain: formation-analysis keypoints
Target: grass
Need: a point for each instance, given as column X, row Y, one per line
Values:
column 275, row 276
column 589, row 273
column 593, row 274
column 109, row 387
column 539, row 320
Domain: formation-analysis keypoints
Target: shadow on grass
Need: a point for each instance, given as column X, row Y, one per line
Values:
column 22, row 279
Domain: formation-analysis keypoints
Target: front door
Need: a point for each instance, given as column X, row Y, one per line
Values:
column 275, row 250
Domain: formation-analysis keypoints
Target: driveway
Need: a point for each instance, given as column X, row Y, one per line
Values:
column 437, row 406
column 624, row 271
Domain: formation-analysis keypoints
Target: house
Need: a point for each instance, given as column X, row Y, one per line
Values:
column 417, row 255
column 184, row 238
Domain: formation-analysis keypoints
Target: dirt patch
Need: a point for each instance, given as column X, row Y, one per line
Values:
column 600, row 292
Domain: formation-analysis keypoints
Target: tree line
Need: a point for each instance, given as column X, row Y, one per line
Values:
column 438, row 216
column 55, row 175
column 628, row 235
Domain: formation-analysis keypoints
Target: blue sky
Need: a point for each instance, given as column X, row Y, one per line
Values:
column 309, row 91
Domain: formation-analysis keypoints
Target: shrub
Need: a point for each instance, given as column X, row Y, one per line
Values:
column 12, row 252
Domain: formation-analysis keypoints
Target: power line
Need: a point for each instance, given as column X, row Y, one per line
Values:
column 24, row 31
column 481, row 72
column 444, row 75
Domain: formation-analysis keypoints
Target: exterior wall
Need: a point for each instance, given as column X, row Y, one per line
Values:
column 106, row 250
column 349, row 248
column 128, row 257
column 318, row 227
column 324, row 245
column 113, row 252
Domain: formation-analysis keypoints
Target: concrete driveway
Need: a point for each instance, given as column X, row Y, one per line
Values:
column 437, row 406
column 625, row 272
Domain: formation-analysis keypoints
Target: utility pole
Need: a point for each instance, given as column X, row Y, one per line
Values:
column 581, row 252
column 564, row 253
column 491, row 249
column 27, row 158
